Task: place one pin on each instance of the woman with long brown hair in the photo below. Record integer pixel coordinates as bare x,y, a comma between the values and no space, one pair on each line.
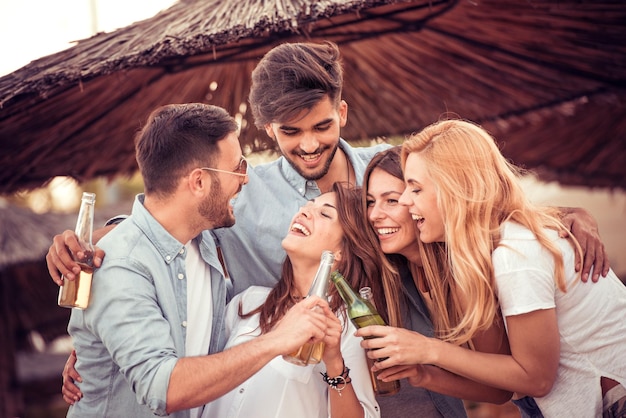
335,222
383,185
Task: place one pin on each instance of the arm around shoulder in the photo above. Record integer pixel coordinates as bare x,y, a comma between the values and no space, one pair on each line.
584,228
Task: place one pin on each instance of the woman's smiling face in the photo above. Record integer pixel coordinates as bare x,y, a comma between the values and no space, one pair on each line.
391,221
420,197
315,228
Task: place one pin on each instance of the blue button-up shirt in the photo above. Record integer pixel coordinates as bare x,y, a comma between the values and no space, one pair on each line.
263,210
129,338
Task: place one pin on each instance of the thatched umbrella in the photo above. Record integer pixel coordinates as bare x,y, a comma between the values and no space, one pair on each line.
547,78
26,235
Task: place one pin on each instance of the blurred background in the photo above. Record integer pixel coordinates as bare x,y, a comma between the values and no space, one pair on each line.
35,28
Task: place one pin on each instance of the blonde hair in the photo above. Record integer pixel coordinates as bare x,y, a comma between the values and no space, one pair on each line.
477,190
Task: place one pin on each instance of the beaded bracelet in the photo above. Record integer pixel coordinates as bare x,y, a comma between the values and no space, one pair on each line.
340,382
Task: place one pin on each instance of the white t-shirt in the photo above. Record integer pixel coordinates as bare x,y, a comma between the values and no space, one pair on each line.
281,389
591,318
199,306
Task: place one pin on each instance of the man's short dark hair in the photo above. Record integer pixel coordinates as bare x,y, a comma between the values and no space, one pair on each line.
176,138
293,77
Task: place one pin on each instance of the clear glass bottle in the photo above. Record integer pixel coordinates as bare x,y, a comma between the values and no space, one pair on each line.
75,293
312,353
362,312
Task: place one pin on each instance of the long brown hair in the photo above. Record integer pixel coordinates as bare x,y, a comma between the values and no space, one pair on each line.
389,162
362,264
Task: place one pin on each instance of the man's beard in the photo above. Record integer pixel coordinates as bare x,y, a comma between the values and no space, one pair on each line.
311,176
215,208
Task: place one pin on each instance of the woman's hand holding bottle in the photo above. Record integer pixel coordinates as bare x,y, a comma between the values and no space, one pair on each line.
332,341
397,346
302,324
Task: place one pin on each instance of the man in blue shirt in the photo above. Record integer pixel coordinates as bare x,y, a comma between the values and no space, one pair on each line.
162,275
296,99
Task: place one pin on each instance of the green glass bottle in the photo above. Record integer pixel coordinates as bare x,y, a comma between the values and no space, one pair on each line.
362,313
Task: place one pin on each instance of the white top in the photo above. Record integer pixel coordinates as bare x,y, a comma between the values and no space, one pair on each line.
591,318
282,389
199,306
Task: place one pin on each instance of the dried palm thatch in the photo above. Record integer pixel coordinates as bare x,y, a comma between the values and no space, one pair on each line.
546,77
26,236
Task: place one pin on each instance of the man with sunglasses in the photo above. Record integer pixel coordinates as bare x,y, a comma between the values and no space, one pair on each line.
158,301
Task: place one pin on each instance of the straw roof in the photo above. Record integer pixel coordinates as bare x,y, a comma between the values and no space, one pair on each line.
547,78
25,236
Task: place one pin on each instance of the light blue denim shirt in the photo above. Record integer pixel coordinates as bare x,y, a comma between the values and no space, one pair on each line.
129,338
263,210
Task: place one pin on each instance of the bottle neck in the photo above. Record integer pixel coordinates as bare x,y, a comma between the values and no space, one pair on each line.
84,223
346,292
360,312
319,287
84,229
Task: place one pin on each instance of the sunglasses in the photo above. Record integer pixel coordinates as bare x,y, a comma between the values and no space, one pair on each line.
241,170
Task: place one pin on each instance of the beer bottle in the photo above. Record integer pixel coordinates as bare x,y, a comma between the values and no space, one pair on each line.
75,293
362,312
312,353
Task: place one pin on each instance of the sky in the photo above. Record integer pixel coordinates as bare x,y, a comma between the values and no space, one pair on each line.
31,29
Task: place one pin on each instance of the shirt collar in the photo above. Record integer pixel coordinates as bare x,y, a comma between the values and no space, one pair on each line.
167,246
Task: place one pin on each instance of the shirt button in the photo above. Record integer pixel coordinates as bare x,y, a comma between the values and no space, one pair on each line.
181,276
182,251
168,258
184,324
242,390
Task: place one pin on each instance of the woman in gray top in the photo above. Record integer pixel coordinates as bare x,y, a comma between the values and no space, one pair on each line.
383,184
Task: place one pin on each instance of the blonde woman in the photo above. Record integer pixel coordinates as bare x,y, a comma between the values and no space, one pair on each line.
504,254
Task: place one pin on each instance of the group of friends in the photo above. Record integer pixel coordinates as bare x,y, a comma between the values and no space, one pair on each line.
203,288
